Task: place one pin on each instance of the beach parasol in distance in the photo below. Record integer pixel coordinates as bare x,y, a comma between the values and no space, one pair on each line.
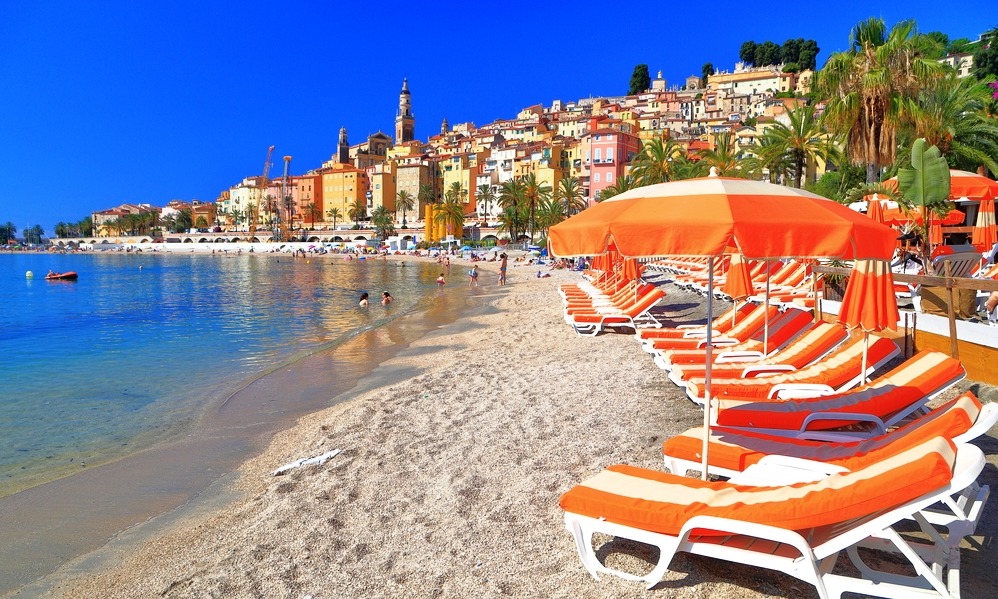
713,215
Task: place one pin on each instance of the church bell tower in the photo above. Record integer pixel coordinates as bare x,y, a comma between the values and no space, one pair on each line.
405,123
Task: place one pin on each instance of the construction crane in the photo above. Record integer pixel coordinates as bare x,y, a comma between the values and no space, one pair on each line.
285,203
262,184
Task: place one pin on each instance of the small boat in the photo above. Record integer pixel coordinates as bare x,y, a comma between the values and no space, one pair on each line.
61,276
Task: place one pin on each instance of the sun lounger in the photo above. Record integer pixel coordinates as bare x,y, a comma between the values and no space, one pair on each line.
742,331
783,328
816,343
881,404
591,323
838,372
800,529
719,326
733,450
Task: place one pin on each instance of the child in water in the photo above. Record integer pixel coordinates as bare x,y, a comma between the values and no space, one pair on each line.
386,298
440,279
363,300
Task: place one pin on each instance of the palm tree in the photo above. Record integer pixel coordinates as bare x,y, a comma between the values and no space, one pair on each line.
451,213
357,210
683,167
802,141
404,202
334,214
872,89
60,230
8,231
953,117
382,221
426,196
723,158
619,186
511,199
569,193
653,163
550,213
534,192
486,195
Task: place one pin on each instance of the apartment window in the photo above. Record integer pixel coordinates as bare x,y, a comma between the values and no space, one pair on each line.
609,154
596,177
598,155
609,177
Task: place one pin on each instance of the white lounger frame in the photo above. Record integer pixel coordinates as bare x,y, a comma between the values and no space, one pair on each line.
812,559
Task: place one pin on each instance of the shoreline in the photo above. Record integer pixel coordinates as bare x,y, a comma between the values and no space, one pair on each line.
42,528
455,452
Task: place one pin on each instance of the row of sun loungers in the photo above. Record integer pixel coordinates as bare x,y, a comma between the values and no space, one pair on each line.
819,462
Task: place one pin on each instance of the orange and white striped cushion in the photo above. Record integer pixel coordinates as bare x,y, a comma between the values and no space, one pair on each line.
737,450
663,503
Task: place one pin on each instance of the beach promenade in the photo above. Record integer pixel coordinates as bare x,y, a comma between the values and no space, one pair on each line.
453,457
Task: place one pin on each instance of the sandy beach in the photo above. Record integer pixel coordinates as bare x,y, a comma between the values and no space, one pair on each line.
448,480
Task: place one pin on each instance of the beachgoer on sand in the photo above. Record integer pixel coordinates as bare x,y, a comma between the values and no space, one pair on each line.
386,298
363,300
473,276
440,279
502,269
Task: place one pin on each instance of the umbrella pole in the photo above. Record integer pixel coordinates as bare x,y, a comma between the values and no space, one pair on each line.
710,359
765,333
866,347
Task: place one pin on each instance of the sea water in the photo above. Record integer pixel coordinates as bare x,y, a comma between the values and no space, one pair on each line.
143,343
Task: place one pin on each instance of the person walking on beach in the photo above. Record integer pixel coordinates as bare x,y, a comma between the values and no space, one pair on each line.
363,300
502,268
473,276
440,280
386,298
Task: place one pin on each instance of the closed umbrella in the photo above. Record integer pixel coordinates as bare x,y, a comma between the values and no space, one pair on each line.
869,302
738,284
715,215
985,233
875,210
935,232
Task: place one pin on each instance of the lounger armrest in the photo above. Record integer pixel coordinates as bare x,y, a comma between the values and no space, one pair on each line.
718,341
986,419
764,369
779,470
858,417
802,464
734,355
799,390
699,334
741,527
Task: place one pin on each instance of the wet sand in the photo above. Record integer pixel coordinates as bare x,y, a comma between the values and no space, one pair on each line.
454,455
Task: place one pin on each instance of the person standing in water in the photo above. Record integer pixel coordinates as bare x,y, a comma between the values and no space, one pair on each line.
386,298
473,276
364,300
441,280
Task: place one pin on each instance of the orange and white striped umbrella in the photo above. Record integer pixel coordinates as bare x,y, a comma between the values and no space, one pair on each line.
963,184
985,232
869,302
738,282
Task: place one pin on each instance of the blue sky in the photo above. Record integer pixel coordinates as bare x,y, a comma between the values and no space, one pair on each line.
146,102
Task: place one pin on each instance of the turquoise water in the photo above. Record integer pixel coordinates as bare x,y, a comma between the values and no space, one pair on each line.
142,344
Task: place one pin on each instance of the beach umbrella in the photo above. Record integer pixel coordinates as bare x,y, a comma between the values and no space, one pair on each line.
869,302
935,232
900,216
875,210
963,185
738,284
713,215
985,232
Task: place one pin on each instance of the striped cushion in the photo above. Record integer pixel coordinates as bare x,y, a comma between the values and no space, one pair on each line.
834,371
737,450
912,381
663,503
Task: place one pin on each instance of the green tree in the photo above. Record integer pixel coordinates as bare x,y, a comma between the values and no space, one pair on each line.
357,210
511,199
986,55
534,193
404,202
747,52
450,213
872,89
334,214
790,51
640,80
953,117
618,187
724,158
86,226
803,141
941,43
549,213
383,223
706,71
201,223
767,53
34,234
569,193
486,196
684,167
426,195
8,232
653,163
313,213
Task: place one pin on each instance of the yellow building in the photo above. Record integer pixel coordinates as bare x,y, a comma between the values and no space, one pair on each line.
343,186
381,178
